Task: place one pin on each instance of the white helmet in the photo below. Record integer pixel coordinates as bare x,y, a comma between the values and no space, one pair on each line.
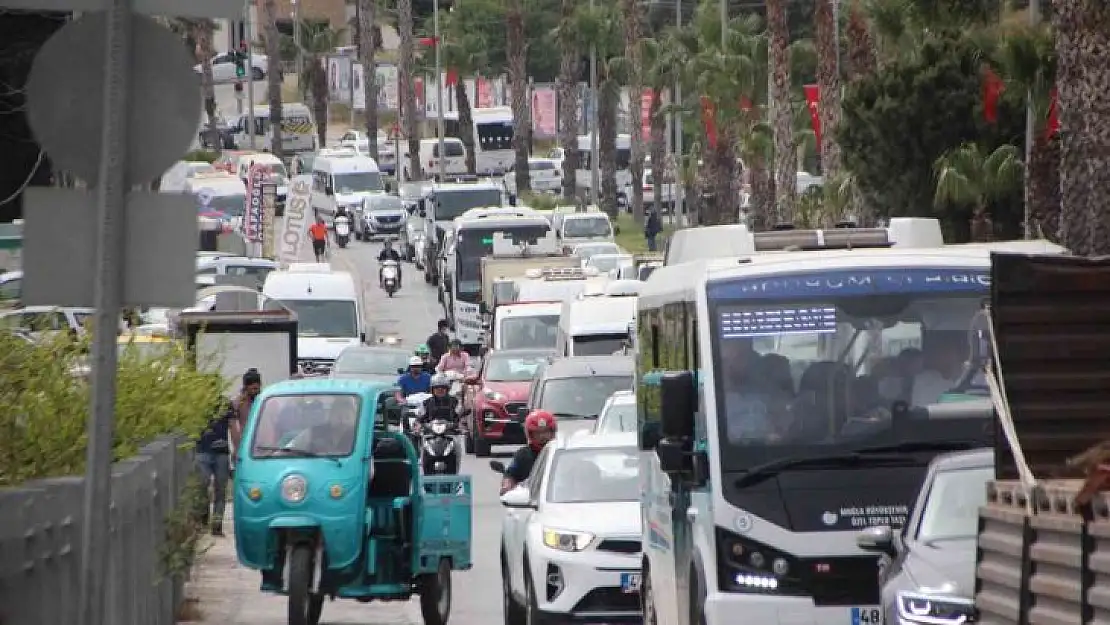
416,362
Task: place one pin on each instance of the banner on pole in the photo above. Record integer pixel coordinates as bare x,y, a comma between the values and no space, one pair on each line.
294,229
269,207
813,102
253,216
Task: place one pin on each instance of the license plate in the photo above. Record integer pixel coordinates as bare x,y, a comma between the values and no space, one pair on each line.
869,615
630,582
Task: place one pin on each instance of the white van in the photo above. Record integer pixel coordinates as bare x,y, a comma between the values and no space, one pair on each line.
343,178
595,326
219,195
588,227
454,163
298,132
329,311
526,325
583,175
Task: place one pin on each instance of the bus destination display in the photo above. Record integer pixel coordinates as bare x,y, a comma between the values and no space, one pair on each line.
775,321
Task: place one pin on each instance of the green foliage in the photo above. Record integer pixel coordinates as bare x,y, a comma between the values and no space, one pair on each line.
183,530
44,400
539,201
897,123
207,156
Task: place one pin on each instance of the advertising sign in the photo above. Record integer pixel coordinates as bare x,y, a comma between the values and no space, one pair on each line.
269,207
254,215
294,230
545,112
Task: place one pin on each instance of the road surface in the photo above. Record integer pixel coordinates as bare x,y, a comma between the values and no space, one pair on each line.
228,594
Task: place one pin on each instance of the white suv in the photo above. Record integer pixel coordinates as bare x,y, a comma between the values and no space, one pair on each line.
571,537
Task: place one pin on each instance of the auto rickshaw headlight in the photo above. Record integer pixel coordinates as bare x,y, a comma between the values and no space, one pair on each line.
336,491
293,489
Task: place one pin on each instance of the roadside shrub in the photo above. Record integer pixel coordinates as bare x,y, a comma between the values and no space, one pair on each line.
44,403
207,156
539,201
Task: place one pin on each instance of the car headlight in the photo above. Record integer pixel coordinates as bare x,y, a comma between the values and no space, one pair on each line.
439,428
917,607
492,395
564,540
294,488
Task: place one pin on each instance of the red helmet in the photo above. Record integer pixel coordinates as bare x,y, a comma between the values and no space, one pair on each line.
539,420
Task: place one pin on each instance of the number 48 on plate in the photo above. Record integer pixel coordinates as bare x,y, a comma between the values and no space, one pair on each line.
866,616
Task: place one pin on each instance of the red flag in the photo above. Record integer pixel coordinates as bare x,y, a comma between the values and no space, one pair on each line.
452,77
745,104
647,102
1052,124
708,113
813,101
993,87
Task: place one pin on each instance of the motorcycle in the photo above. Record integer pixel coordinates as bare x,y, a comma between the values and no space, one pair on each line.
458,386
389,276
342,230
410,417
439,455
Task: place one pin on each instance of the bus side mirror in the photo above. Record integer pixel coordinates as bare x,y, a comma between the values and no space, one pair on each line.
677,403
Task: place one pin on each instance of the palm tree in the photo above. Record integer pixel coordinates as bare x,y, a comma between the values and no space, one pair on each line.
861,45
466,51
272,39
630,10
318,40
661,68
367,49
566,87
828,85
517,53
406,67
782,115
967,176
601,30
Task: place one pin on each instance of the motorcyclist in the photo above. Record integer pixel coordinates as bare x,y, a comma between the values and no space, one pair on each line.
440,405
455,359
388,253
539,428
424,353
416,380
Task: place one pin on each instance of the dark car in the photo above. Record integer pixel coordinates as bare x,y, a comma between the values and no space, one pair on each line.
574,389
223,139
929,571
370,363
495,394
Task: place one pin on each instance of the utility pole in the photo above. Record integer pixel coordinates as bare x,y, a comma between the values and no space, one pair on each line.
248,40
297,37
724,24
439,92
595,166
1030,126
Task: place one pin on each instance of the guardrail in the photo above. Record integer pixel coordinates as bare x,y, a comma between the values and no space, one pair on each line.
1041,558
40,543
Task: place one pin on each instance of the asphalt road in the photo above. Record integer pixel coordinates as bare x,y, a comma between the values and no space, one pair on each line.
231,593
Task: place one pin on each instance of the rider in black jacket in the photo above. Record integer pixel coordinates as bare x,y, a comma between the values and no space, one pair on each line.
440,405
388,253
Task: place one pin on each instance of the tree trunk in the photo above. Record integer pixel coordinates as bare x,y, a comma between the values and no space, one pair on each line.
566,85
828,82
725,208
782,114
1044,188
517,53
762,202
405,70
658,148
982,229
630,9
272,39
861,45
466,124
607,102
318,90
203,33
367,15
1083,105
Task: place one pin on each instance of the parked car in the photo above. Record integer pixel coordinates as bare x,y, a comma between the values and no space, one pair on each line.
494,395
223,67
929,570
46,320
572,543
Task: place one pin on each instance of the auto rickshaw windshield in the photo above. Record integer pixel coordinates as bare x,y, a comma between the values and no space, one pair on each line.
313,425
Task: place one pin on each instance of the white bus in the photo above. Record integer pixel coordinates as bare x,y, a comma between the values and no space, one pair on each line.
771,434
493,137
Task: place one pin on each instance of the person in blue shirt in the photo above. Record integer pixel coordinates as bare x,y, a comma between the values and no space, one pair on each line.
415,381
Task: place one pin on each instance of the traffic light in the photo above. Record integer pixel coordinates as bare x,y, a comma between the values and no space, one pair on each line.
240,64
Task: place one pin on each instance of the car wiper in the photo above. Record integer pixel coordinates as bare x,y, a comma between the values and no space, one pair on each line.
767,470
297,451
568,415
912,446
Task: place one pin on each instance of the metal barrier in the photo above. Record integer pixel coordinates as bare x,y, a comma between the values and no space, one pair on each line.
40,550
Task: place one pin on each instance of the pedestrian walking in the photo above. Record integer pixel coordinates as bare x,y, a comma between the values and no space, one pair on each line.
215,446
319,234
652,228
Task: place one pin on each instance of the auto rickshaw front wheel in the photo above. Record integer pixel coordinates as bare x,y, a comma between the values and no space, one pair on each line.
435,594
304,606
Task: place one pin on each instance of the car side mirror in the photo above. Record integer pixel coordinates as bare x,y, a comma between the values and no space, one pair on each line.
518,497
678,404
522,412
878,538
497,466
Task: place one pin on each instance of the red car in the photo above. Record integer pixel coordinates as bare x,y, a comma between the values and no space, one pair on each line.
496,395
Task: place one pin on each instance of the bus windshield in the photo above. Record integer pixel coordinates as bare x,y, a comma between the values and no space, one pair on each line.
817,364
452,203
494,136
474,243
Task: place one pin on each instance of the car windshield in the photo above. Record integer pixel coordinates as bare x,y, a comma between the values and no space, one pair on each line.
594,475
599,344
535,332
587,227
952,505
384,203
512,367
823,374
606,262
231,205
452,203
324,318
541,165
358,182
581,397
370,361
306,426
586,251
619,417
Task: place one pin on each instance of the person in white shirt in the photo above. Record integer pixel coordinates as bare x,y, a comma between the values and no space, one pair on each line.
944,366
